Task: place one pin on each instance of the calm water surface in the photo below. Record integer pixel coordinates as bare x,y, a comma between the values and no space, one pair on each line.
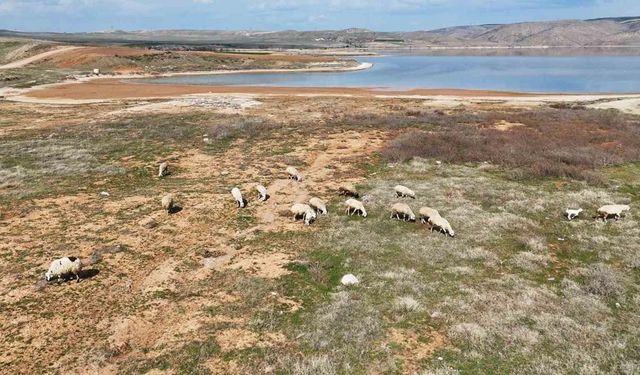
580,74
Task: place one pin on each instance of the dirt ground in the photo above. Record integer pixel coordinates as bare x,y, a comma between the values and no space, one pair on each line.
205,289
130,310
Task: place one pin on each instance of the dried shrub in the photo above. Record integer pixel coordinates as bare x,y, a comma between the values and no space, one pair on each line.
550,142
603,280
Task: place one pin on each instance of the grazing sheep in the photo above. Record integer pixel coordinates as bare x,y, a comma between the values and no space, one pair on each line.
404,192
167,202
348,191
262,193
294,174
426,213
402,211
63,267
572,213
442,224
614,210
237,196
318,205
355,206
305,211
163,169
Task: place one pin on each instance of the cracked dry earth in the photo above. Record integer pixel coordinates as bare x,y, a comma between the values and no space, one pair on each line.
177,283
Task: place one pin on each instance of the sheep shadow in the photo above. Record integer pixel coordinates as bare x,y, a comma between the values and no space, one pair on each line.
266,197
175,210
83,274
88,274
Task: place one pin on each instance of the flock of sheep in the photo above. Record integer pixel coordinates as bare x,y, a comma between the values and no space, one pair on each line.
66,266
309,212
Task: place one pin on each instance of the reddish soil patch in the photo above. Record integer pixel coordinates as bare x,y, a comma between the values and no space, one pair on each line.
117,89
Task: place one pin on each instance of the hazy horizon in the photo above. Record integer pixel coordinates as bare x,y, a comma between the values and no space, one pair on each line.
305,15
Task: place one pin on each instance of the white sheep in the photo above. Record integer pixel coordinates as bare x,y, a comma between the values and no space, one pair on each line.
167,202
612,210
348,190
402,211
237,196
318,205
294,174
442,224
404,192
427,212
262,192
163,169
63,267
572,213
305,211
355,206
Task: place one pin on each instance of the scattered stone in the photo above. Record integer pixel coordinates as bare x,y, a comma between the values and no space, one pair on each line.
206,253
110,249
148,223
349,280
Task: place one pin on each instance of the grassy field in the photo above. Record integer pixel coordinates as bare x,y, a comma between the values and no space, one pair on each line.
214,289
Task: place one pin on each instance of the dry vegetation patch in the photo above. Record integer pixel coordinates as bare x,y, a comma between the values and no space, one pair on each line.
551,143
213,289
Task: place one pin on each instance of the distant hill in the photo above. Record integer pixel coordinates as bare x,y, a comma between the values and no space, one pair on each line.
618,31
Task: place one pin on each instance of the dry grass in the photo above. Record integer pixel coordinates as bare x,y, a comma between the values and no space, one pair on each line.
552,142
519,289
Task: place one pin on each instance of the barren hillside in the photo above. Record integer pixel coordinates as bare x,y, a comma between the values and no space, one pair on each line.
566,33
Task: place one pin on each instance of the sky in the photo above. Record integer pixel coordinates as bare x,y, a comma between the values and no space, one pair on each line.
273,15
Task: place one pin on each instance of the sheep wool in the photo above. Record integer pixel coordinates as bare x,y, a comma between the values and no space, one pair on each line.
404,192
167,202
442,225
63,267
262,192
318,204
402,211
426,213
294,174
163,169
237,196
301,210
572,213
612,210
355,206
348,191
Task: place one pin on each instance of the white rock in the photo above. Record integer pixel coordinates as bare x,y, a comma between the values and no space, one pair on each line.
349,280
104,194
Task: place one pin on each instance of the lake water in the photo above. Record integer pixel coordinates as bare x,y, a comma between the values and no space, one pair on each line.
579,74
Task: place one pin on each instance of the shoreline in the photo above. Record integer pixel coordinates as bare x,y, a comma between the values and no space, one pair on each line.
109,88
11,92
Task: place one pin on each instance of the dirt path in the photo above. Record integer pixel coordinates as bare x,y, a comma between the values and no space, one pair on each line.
38,57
